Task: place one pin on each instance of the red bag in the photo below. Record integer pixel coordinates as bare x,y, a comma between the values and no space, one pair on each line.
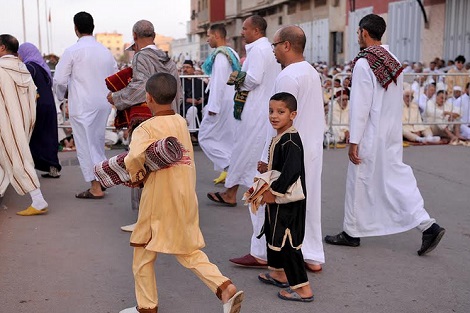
133,116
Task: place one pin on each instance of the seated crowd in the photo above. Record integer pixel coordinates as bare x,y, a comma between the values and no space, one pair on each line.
435,101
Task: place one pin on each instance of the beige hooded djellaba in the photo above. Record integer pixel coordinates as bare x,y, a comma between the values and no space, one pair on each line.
17,118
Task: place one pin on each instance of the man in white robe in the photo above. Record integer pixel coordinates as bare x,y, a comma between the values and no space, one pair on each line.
382,196
81,71
217,127
17,118
250,131
301,79
464,104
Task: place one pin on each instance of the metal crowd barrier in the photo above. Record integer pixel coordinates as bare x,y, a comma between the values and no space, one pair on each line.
408,77
180,107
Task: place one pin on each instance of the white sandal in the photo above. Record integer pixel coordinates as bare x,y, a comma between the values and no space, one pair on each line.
235,303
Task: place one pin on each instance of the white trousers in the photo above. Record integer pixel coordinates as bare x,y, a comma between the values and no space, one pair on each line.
88,134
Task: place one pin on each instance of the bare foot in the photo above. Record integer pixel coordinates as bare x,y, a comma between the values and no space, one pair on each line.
277,275
96,189
313,267
228,293
304,292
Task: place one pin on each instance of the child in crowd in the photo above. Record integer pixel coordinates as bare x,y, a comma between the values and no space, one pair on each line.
284,225
168,219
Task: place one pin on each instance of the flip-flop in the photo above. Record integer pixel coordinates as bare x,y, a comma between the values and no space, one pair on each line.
87,195
218,199
272,281
235,303
294,296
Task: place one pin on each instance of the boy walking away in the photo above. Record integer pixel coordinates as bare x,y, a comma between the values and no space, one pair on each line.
284,224
169,205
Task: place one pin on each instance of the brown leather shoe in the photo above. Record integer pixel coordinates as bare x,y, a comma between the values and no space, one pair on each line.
248,261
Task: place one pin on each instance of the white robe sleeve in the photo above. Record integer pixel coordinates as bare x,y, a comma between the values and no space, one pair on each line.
362,91
218,83
255,72
62,75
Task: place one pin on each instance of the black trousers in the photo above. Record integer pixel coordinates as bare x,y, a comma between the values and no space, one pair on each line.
292,261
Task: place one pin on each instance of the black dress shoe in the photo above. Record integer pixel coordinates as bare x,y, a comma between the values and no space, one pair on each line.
343,239
431,240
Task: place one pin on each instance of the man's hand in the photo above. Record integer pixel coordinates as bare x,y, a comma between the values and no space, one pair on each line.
354,154
268,197
262,167
110,98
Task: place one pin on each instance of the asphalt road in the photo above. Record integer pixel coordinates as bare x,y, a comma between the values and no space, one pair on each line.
77,260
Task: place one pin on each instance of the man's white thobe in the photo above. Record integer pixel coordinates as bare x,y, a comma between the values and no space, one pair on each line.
17,118
261,70
216,132
381,193
82,70
303,82
463,103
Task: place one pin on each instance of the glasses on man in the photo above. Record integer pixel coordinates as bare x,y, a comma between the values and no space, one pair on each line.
273,45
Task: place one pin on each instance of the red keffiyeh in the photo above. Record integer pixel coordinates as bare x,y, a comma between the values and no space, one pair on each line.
385,67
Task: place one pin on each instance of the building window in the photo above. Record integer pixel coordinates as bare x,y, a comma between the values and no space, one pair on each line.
291,6
279,20
304,5
320,2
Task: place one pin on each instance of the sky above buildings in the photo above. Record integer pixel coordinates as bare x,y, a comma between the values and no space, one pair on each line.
169,18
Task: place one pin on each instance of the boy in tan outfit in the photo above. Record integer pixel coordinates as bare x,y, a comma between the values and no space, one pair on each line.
168,219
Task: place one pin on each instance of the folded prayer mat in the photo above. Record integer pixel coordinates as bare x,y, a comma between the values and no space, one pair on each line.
132,117
119,80
161,154
136,114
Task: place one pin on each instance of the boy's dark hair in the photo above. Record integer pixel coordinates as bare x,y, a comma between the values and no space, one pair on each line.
287,98
84,23
162,87
460,59
11,43
439,92
220,29
374,24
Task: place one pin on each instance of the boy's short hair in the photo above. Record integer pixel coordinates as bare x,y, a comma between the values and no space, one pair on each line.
287,98
162,87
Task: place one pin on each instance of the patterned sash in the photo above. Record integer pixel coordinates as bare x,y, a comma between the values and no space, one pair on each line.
386,69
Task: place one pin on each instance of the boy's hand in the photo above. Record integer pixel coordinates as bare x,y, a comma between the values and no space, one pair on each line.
268,197
262,167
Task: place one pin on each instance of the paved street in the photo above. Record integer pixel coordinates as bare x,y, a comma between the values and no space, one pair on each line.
77,260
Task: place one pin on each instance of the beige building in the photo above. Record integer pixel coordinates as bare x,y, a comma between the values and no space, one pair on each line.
113,41
163,42
418,30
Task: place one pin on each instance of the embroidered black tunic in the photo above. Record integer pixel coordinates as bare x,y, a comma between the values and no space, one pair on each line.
285,223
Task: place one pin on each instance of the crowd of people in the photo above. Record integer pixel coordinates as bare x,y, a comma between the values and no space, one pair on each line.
262,117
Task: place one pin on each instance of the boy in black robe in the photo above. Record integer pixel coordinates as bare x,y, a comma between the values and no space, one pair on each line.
284,225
